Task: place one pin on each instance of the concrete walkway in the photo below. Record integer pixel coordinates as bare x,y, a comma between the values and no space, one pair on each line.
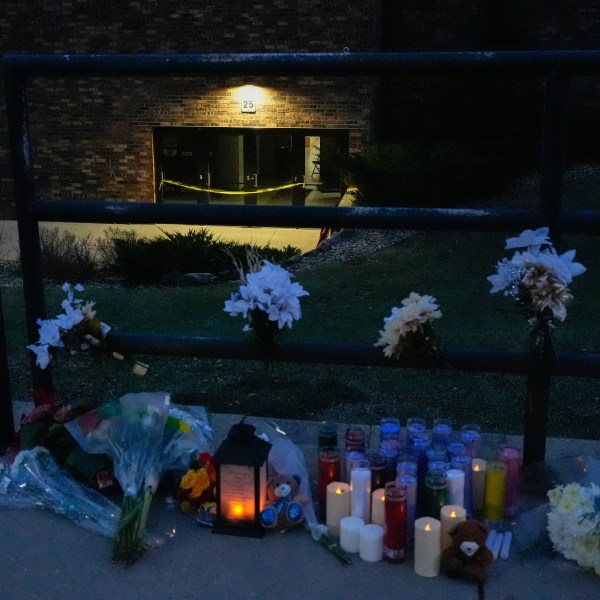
43,556
305,239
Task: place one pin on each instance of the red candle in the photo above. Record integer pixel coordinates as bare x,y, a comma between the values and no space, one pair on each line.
329,470
511,457
394,527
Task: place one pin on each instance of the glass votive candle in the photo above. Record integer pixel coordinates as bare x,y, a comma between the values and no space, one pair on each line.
415,426
437,465
465,463
389,449
352,458
389,429
470,436
378,470
410,483
435,490
437,452
495,491
511,457
360,491
456,449
441,432
394,528
327,435
355,439
328,471
406,467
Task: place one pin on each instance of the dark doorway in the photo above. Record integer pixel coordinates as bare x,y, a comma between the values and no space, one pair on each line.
247,165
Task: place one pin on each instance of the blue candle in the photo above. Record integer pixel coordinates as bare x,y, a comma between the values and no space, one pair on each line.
389,429
471,438
387,449
441,432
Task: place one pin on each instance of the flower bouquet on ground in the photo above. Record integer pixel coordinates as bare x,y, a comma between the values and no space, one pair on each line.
267,298
34,480
574,523
408,332
196,493
144,435
76,329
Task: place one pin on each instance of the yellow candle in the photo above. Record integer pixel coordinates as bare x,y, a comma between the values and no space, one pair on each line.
479,468
427,547
338,505
495,491
450,515
378,507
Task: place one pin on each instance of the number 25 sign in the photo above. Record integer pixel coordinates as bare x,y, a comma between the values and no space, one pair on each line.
248,105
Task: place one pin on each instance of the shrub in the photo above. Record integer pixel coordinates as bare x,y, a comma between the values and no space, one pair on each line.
67,257
146,260
439,175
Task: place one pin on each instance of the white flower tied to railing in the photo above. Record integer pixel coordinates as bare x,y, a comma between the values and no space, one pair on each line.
76,329
267,298
537,277
408,330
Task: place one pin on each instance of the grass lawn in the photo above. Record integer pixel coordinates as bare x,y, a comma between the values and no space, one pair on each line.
347,302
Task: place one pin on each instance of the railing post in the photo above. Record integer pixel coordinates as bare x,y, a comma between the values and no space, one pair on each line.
29,235
7,428
537,400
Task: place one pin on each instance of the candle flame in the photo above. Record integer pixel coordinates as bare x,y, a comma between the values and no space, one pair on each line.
453,514
338,491
428,527
476,468
237,510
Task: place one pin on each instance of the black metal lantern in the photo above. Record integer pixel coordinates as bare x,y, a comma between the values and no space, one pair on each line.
241,466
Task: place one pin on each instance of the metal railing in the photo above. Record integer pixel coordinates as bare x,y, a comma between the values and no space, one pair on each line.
557,68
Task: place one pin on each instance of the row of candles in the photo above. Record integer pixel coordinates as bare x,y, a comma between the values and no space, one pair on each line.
412,487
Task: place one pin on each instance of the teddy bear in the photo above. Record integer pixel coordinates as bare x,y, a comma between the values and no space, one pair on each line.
285,506
468,556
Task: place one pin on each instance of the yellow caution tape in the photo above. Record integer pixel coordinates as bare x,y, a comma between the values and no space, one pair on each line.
227,192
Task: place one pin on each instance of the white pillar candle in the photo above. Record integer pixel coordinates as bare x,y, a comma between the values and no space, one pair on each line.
338,505
479,466
450,515
378,507
427,547
496,545
489,542
350,533
455,487
371,543
360,493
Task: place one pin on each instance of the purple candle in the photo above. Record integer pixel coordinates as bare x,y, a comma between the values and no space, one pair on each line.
511,457
470,436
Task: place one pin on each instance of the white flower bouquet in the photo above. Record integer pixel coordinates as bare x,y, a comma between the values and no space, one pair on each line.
76,329
574,523
34,480
267,298
537,277
408,331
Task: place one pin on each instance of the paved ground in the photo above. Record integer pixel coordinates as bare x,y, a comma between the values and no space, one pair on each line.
305,239
43,556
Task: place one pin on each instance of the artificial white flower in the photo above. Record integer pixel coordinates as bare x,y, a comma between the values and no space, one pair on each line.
529,239
49,333
42,355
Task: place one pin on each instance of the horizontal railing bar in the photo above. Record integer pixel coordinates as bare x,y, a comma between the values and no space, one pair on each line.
432,219
576,364
294,64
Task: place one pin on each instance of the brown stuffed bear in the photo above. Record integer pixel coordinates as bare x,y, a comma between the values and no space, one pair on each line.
284,508
468,556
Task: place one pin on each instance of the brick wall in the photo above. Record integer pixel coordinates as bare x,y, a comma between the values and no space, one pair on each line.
93,138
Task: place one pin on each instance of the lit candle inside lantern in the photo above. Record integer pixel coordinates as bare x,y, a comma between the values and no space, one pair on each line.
360,491
450,515
427,547
479,468
371,543
378,507
350,533
495,491
338,505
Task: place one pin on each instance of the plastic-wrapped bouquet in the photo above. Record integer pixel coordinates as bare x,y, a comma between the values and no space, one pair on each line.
537,277
144,435
574,523
408,331
34,480
267,298
76,329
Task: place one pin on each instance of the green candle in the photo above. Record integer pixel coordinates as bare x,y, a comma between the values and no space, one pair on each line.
495,491
435,486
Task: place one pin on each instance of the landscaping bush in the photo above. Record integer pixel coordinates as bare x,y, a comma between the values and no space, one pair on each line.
146,260
66,257
439,175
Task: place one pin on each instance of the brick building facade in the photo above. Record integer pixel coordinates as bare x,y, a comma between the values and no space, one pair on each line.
104,138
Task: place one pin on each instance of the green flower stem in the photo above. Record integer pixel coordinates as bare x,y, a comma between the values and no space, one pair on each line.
128,542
